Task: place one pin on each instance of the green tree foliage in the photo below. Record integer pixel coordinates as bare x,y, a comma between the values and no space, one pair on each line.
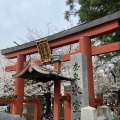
89,10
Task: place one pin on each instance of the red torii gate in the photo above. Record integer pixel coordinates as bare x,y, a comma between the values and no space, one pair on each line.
82,34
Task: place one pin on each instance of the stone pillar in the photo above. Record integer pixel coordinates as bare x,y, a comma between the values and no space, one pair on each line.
79,87
19,87
67,103
88,113
57,89
85,48
105,111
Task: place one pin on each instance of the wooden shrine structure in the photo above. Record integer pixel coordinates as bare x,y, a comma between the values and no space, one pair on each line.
81,34
40,74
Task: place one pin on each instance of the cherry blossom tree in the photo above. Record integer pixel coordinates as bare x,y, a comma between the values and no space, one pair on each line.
6,80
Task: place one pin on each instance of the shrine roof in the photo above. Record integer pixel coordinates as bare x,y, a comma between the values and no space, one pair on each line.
40,74
79,28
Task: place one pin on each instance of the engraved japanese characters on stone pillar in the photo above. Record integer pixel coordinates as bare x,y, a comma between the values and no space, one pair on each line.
79,87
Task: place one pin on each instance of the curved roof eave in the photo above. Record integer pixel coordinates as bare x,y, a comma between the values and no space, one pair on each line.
40,74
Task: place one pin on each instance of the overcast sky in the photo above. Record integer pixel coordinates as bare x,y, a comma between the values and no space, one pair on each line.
18,15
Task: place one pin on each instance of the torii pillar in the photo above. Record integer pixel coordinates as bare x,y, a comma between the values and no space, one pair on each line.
86,49
57,91
19,87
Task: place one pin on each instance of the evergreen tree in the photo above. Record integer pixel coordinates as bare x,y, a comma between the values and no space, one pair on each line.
89,10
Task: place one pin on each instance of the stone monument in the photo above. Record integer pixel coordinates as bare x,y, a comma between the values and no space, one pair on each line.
79,87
